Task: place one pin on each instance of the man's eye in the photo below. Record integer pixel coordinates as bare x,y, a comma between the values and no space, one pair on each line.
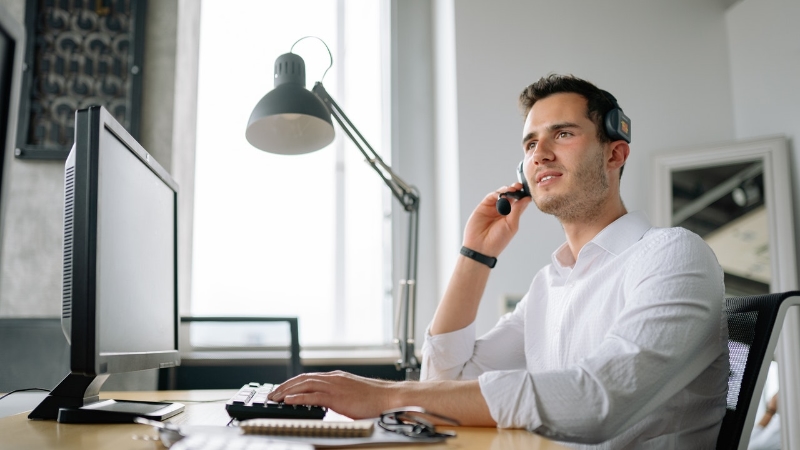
563,134
530,146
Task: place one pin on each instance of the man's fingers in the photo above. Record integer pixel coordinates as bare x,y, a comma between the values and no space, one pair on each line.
306,398
280,392
298,385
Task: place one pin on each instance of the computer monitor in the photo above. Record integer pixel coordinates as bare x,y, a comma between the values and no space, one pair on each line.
12,52
120,291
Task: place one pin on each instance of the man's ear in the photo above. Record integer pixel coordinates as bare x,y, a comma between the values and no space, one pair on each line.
618,155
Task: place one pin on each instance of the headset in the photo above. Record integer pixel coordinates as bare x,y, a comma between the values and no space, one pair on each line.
617,126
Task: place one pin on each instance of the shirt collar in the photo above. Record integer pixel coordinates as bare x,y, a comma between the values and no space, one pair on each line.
615,238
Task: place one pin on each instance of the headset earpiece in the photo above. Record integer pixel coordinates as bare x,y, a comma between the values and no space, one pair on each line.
617,124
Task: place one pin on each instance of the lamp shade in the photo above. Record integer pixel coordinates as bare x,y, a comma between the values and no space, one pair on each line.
290,120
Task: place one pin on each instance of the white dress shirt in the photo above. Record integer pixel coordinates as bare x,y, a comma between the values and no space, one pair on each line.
625,347
766,438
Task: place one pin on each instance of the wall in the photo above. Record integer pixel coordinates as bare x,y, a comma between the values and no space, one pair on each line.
765,63
412,118
31,259
30,263
665,61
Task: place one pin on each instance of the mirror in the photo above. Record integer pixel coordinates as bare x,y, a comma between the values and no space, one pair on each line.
738,198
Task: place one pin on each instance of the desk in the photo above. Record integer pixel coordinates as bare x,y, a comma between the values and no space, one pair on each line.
206,408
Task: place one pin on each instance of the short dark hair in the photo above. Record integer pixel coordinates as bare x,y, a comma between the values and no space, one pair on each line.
597,101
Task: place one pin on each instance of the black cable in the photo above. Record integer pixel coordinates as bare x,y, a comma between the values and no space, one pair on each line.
23,390
326,48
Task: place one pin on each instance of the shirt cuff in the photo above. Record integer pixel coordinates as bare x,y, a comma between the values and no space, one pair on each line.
443,353
511,398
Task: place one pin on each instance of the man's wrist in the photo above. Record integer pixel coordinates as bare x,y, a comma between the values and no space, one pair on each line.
489,261
398,392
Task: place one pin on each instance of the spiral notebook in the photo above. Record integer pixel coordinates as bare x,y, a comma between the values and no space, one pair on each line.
324,434
308,427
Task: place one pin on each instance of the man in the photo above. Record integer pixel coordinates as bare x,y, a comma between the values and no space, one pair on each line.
766,433
621,341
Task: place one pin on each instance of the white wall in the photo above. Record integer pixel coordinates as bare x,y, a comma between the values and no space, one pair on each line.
665,61
764,44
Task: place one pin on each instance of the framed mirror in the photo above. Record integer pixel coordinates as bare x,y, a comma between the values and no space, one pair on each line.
738,198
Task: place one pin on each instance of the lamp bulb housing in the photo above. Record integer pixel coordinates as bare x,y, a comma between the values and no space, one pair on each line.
290,68
290,119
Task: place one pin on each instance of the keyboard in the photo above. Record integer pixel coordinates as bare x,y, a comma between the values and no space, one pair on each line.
251,403
238,442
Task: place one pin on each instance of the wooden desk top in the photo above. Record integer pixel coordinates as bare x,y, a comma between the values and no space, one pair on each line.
206,408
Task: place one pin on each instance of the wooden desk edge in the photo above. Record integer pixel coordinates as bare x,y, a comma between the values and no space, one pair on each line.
21,433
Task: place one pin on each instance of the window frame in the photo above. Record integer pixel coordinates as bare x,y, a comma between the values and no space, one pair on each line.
385,351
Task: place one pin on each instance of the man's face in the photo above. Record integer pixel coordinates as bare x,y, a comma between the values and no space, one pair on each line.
564,162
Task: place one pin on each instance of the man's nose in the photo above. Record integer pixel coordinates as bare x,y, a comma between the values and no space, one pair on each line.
543,152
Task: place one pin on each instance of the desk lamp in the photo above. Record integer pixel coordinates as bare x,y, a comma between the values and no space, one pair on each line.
290,120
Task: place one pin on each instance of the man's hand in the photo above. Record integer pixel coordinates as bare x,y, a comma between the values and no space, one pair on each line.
362,398
347,394
488,231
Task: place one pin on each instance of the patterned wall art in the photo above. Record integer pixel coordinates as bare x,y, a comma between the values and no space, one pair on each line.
80,53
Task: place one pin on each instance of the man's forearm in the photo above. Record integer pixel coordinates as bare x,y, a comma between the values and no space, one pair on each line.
460,400
459,306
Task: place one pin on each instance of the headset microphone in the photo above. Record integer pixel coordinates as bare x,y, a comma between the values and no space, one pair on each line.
503,205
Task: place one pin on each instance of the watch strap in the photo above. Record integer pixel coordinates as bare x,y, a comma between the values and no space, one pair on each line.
480,257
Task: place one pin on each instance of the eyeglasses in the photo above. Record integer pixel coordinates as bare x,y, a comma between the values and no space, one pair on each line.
414,421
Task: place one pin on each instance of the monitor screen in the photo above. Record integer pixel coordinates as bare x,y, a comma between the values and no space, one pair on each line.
120,296
135,272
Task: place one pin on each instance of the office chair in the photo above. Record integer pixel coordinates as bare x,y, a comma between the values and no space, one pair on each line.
754,325
226,367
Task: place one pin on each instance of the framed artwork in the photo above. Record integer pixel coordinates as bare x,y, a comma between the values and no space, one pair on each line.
79,53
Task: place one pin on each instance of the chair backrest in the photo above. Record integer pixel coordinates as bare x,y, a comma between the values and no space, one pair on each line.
754,325
209,368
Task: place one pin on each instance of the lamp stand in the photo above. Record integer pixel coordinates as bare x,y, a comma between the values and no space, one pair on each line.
409,198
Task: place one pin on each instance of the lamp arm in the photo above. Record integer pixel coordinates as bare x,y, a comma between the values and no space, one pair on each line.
401,190
408,197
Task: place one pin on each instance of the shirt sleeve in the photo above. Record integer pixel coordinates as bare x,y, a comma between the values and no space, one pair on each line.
766,438
459,356
669,331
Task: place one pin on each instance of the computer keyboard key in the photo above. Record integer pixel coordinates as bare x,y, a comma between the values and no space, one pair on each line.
251,403
259,399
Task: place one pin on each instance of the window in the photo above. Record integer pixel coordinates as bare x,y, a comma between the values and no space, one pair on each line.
308,235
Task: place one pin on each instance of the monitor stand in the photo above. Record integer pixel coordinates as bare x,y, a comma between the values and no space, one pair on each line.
77,400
